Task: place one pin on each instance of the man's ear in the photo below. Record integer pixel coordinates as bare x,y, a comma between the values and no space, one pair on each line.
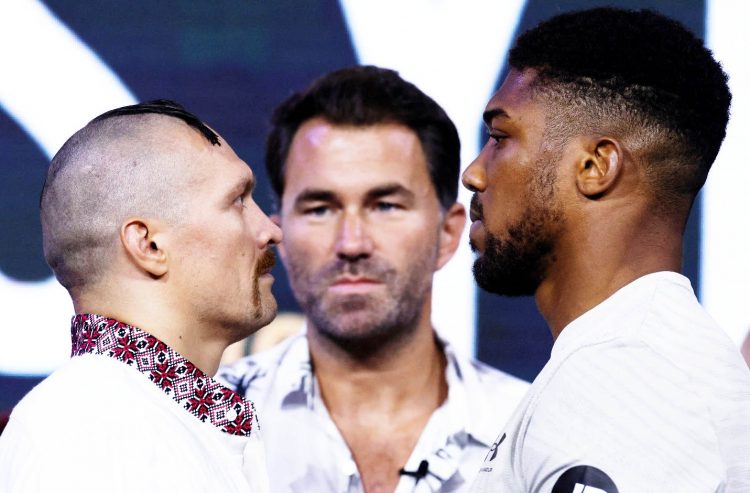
599,167
142,246
450,233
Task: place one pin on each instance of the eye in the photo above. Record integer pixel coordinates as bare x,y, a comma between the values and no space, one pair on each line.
240,200
317,211
496,136
384,206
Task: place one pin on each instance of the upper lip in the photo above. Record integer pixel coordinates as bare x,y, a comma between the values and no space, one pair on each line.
266,269
475,208
354,279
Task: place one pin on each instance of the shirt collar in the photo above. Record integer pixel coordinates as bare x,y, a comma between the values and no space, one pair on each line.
464,388
195,391
465,392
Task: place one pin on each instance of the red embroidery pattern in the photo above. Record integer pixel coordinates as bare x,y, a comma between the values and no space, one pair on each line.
196,392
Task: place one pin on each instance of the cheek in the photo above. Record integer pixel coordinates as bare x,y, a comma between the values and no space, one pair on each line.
506,197
405,243
306,247
499,214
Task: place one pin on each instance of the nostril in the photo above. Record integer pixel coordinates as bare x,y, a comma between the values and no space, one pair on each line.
352,257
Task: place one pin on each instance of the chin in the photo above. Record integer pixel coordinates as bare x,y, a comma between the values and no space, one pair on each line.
265,314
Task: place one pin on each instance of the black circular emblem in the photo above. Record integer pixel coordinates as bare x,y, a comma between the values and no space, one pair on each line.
584,479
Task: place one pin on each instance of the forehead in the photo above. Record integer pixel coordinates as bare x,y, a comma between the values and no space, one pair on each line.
353,159
515,102
208,166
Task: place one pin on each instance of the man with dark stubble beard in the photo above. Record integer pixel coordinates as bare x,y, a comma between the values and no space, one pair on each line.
370,398
601,136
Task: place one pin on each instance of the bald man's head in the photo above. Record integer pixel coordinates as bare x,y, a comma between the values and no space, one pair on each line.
128,162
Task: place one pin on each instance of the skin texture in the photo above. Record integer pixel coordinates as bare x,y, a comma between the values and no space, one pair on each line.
570,222
198,282
519,165
364,233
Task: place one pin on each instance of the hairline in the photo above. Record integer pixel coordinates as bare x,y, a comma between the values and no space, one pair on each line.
389,120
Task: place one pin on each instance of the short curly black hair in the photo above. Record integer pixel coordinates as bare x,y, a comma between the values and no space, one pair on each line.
638,73
362,96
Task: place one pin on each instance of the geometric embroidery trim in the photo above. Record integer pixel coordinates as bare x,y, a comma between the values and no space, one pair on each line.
196,392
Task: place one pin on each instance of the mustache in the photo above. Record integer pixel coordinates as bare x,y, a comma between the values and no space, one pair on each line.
476,208
266,261
369,268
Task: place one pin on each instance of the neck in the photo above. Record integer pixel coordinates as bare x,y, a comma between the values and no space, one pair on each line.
148,311
408,370
599,264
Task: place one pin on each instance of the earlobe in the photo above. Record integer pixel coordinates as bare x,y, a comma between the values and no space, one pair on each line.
454,222
143,248
599,168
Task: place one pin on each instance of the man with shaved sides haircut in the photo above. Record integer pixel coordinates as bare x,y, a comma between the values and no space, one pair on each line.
149,223
599,140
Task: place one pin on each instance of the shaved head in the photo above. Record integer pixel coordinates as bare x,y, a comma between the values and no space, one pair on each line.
129,162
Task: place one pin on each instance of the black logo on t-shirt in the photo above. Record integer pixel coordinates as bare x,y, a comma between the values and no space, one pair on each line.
493,450
584,479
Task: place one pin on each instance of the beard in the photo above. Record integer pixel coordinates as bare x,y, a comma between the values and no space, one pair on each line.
364,323
515,266
517,263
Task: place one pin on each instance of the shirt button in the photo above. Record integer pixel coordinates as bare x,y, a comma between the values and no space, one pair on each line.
231,415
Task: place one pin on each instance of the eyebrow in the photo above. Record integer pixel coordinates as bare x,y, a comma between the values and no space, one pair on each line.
490,115
314,195
244,185
322,195
389,189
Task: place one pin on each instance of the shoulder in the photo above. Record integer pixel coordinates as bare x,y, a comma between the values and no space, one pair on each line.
622,408
483,376
76,390
681,330
257,372
101,409
489,378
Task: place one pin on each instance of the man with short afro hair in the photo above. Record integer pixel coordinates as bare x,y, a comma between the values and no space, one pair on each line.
601,136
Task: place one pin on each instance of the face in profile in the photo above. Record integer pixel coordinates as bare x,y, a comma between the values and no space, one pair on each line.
223,243
361,223
515,212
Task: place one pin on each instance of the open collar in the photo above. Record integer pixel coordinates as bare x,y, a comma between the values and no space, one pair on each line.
465,390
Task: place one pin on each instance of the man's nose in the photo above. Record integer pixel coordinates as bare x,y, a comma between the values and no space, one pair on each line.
353,241
474,177
269,233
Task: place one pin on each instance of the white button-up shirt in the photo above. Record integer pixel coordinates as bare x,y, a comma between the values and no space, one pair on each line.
306,452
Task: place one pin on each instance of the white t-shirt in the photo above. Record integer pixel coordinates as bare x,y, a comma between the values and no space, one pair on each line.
306,452
643,393
98,424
